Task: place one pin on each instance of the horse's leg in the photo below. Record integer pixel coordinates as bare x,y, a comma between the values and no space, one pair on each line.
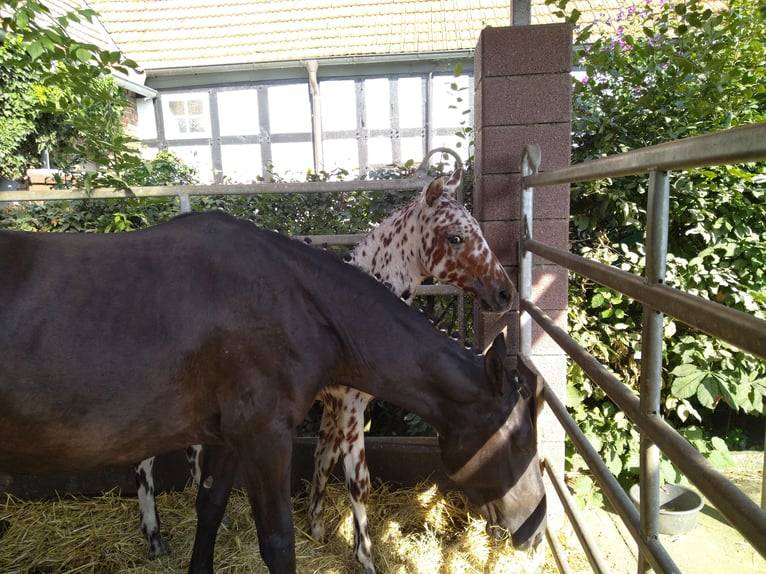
194,458
357,473
325,457
150,520
218,471
266,463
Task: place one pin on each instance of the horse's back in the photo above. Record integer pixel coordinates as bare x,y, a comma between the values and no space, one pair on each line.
114,339
179,334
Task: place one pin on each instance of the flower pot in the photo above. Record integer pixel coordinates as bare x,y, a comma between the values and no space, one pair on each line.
679,507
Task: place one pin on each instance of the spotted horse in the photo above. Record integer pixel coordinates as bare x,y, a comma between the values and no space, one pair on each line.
433,236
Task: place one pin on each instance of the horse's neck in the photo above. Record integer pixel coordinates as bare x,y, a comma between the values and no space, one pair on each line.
390,252
436,385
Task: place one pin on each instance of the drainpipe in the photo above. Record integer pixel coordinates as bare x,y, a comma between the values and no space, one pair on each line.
316,115
521,13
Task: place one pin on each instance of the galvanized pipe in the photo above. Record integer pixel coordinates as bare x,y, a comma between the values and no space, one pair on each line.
651,357
743,514
557,551
740,329
578,524
530,163
737,145
655,552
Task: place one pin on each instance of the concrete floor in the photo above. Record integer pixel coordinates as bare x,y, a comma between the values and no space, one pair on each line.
711,547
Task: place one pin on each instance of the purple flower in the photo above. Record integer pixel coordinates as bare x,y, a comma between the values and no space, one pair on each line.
584,80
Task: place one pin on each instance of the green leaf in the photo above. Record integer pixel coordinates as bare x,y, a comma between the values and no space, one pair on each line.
22,18
35,49
597,301
83,55
708,393
688,379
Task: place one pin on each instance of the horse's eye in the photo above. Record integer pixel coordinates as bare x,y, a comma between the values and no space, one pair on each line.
455,239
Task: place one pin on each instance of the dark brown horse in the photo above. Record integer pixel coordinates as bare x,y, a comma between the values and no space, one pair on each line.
208,330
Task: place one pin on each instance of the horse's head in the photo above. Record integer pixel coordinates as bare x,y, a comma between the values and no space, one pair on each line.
452,247
495,462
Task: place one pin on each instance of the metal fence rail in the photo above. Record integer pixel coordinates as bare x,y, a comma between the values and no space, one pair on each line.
738,145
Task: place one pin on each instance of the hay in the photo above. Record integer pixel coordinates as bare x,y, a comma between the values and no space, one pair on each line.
417,530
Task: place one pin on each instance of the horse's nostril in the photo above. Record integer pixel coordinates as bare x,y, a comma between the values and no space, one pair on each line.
504,297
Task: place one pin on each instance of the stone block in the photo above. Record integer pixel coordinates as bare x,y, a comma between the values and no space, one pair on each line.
523,50
499,149
516,100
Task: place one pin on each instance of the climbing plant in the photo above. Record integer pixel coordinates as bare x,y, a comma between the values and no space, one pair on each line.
659,71
51,89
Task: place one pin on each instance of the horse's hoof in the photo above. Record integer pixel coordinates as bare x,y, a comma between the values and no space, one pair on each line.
317,532
157,549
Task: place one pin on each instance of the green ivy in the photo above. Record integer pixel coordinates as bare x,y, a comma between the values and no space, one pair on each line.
51,88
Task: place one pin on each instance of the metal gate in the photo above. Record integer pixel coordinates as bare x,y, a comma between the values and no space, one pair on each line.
747,332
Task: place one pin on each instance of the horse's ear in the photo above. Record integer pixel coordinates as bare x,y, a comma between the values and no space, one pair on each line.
454,183
494,364
434,191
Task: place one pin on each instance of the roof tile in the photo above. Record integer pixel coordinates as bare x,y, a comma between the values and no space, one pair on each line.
180,33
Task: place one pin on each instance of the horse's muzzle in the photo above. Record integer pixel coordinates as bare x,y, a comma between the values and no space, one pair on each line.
497,532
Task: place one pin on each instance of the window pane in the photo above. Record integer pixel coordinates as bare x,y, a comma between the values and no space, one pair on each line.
412,148
241,163
238,113
177,107
377,103
292,160
340,153
449,105
338,105
289,109
410,103
451,141
180,122
197,156
379,152
196,126
195,107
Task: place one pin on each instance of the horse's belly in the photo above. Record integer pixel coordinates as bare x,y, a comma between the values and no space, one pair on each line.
55,448
47,432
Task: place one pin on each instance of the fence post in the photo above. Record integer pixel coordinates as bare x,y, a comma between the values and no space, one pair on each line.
651,355
183,198
530,163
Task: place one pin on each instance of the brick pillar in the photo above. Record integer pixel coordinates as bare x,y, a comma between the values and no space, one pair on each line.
524,96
